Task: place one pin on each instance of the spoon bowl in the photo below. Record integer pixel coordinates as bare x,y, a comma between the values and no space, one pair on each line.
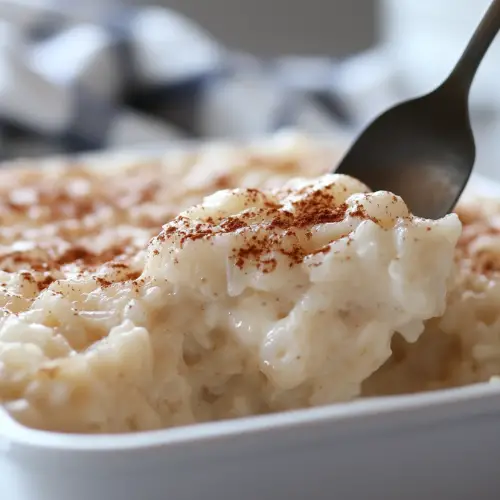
423,149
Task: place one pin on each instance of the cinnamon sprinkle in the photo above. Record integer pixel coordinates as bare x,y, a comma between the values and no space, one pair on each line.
76,220
477,225
45,283
279,233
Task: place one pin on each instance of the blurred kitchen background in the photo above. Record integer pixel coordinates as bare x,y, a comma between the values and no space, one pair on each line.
77,76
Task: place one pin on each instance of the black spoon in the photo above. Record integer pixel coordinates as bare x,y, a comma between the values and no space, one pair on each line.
423,149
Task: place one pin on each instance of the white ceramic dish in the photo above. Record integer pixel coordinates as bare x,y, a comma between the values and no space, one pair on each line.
441,445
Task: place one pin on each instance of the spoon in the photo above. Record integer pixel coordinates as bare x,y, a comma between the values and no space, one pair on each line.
423,149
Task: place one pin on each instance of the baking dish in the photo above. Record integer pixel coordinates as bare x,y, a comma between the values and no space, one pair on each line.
444,444
440,445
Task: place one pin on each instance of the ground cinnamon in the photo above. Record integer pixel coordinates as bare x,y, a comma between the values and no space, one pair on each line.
280,232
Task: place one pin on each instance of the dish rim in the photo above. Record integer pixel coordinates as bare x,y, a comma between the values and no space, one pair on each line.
14,433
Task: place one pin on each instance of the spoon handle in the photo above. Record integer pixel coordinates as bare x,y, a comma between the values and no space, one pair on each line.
465,70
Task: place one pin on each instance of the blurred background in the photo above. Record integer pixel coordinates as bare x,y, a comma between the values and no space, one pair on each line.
78,76
276,27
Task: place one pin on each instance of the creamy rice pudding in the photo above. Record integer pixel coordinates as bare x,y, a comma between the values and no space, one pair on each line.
230,281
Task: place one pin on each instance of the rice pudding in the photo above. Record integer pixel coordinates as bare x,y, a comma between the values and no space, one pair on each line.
222,283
